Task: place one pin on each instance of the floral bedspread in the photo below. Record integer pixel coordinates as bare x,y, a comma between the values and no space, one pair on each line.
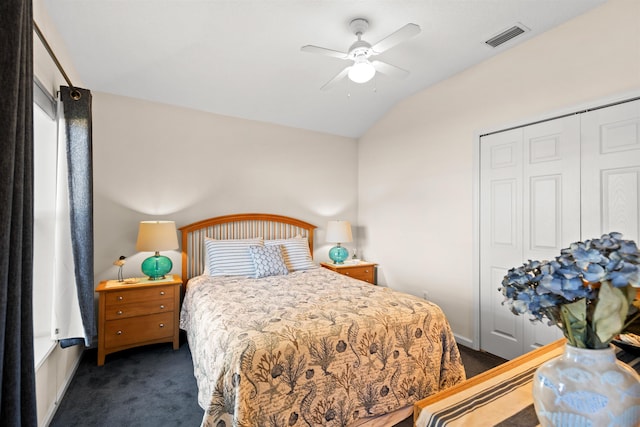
312,348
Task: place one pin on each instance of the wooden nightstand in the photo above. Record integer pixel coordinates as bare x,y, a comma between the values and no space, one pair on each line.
365,271
137,314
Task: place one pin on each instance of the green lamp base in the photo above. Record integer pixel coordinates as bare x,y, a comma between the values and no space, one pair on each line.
156,266
338,254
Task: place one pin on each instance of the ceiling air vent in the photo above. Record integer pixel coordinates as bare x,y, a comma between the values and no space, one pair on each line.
506,35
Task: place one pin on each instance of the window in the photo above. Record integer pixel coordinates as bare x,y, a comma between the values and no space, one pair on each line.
45,136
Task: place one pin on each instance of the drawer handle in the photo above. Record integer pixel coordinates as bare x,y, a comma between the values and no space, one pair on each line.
162,325
161,307
120,298
161,292
119,312
366,271
346,273
119,333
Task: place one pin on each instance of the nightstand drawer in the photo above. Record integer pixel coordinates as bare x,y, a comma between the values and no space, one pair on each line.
365,271
139,295
365,274
121,311
138,329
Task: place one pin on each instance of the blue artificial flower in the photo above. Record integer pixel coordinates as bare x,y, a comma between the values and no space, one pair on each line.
540,288
583,257
594,273
628,247
626,274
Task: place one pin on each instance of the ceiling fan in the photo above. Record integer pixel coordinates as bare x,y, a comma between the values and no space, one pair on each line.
362,70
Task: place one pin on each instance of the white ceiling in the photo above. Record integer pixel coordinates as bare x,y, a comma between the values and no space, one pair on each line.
242,58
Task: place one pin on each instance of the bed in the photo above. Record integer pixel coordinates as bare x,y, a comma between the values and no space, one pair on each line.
302,345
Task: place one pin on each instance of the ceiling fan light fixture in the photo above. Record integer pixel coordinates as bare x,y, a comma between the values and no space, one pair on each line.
361,71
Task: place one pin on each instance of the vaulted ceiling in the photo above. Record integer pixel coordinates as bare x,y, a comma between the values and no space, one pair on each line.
242,58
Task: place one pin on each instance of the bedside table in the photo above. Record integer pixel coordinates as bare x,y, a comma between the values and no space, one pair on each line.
365,271
131,315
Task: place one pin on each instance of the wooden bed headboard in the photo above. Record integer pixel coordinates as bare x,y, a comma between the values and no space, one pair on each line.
237,226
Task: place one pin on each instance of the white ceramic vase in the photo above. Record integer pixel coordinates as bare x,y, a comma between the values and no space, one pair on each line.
586,388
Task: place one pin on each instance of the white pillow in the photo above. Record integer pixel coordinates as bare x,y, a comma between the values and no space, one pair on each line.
295,252
230,257
268,260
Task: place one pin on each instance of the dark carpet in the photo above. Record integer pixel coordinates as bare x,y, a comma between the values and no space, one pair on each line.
154,386
146,386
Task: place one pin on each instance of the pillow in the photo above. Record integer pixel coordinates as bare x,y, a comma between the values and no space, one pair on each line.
268,260
230,257
295,252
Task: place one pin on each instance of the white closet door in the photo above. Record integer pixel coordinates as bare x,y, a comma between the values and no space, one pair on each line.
551,201
500,239
530,209
611,171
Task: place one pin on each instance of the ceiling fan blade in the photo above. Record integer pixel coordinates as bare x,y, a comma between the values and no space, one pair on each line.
390,70
393,39
341,75
324,51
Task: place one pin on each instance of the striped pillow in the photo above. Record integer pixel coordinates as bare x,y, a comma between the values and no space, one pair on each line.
268,260
295,252
230,257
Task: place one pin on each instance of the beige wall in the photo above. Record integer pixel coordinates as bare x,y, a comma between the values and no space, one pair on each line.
154,161
416,165
43,67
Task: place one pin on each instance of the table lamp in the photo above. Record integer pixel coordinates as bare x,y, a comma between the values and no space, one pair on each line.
338,232
156,236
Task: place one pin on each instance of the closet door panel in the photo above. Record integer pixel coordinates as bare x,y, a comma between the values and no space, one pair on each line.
530,209
537,334
620,201
611,171
501,238
503,326
501,183
551,194
551,202
545,213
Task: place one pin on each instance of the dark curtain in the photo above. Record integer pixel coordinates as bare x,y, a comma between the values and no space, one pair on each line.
18,397
76,104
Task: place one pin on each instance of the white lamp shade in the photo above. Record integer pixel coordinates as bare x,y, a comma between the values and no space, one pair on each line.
155,236
339,232
361,71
